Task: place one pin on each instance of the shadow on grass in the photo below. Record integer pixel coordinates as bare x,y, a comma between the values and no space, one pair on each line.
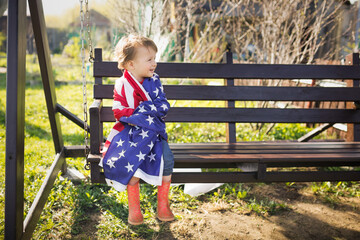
98,210
2,80
87,214
2,115
31,130
36,131
73,139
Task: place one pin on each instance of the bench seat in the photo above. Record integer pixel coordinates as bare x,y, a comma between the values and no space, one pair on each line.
262,156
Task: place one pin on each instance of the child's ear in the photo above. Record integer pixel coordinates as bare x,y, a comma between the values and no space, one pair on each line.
130,64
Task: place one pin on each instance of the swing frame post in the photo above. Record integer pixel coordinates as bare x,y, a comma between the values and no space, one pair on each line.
43,52
15,225
15,119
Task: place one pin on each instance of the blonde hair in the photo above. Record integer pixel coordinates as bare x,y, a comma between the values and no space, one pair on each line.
126,48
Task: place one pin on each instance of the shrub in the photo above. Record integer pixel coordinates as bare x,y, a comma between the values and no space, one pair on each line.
73,48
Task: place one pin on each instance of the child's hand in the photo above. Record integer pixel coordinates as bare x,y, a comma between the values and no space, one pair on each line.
131,124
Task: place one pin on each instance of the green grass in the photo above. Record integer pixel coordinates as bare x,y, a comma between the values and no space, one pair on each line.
71,208
331,192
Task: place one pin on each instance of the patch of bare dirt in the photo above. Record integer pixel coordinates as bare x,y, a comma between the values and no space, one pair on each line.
88,226
308,217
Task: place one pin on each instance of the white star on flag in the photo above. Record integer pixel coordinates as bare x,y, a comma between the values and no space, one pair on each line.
110,163
162,88
130,132
152,156
142,109
133,144
137,128
122,153
141,156
151,145
114,159
153,108
150,119
129,167
156,91
164,106
144,133
120,143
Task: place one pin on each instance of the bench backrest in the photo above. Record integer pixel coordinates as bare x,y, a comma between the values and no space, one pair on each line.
232,93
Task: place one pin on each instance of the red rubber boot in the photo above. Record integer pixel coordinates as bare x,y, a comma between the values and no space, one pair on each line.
135,215
163,208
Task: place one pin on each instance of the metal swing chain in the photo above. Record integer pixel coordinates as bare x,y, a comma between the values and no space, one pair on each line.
91,52
83,74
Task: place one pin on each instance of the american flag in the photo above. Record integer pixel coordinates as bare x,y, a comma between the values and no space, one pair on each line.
137,150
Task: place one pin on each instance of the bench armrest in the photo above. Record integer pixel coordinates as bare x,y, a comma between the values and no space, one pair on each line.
95,126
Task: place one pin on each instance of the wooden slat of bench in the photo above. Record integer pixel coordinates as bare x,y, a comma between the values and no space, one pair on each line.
266,145
268,152
216,153
265,157
259,115
260,93
236,177
244,71
260,146
233,163
268,158
254,145
247,93
257,151
224,165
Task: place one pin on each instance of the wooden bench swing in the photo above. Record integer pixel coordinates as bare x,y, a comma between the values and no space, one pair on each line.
266,156
277,155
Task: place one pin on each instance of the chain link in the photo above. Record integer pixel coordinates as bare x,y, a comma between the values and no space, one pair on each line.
91,54
83,74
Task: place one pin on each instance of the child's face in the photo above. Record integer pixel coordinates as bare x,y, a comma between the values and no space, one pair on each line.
143,65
